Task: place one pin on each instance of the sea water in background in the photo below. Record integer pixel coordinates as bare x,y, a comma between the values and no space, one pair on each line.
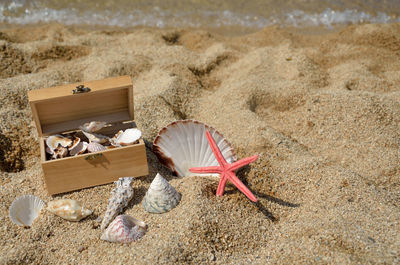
251,14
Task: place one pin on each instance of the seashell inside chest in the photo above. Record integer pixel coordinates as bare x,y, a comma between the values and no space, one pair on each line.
68,123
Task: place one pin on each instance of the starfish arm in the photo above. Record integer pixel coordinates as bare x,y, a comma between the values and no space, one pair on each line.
221,185
241,186
216,169
242,162
214,147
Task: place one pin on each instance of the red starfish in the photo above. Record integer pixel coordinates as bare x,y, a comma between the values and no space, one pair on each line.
226,170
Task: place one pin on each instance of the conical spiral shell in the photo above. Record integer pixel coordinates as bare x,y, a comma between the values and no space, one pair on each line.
121,195
25,209
161,196
183,144
124,229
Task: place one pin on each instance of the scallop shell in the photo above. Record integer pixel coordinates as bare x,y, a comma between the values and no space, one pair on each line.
68,209
127,137
161,196
95,147
93,126
121,195
183,144
124,229
79,149
58,140
97,138
25,209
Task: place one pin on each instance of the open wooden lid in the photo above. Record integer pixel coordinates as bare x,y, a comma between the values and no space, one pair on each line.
58,109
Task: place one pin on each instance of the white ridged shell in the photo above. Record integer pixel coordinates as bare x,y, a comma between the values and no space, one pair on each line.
25,209
127,137
124,229
95,147
68,209
183,144
121,195
161,196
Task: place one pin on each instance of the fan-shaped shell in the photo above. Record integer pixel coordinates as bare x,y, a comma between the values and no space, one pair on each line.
127,137
183,144
58,140
124,229
68,209
93,126
95,147
161,196
25,209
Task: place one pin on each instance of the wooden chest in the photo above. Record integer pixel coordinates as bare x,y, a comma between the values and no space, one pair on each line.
59,110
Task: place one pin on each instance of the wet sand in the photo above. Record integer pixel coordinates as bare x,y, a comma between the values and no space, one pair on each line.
322,111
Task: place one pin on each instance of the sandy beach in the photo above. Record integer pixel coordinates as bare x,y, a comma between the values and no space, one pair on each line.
321,110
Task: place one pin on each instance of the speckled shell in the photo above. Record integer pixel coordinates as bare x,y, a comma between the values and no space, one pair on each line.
92,126
25,209
161,196
95,147
57,140
124,229
121,195
183,144
68,209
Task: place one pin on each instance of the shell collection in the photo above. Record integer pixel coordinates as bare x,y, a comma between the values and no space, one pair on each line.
179,146
25,209
121,195
161,196
182,145
68,209
60,146
124,229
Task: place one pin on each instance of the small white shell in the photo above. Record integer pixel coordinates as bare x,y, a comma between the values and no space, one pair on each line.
95,147
57,140
25,209
68,209
93,126
161,196
97,138
128,137
183,144
79,149
124,229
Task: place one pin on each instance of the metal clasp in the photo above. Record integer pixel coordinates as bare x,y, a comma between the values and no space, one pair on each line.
80,89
